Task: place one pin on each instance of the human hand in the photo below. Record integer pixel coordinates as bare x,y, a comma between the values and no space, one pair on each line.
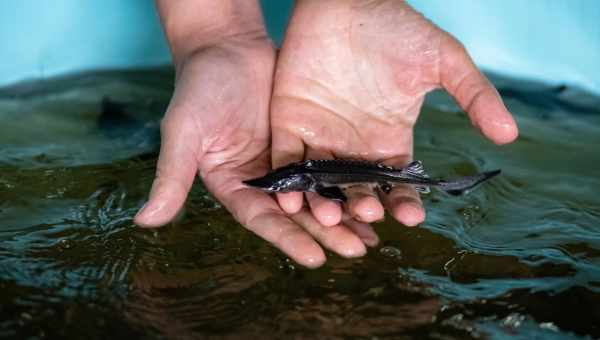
217,125
350,81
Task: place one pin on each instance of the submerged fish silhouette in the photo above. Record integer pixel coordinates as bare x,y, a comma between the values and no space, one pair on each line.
329,177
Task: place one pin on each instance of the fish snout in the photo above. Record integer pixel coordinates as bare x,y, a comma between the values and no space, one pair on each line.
262,183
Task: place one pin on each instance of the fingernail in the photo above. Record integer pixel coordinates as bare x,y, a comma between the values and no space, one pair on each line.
353,251
371,241
141,211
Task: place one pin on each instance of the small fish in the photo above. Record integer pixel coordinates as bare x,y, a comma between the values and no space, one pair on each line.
328,178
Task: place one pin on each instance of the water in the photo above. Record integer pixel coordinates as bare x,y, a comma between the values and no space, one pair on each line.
518,258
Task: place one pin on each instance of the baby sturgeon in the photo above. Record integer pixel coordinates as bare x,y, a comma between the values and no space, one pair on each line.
329,177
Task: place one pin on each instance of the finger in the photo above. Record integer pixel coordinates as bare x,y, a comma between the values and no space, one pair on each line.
363,230
338,238
175,172
403,202
326,211
287,148
475,94
264,218
363,204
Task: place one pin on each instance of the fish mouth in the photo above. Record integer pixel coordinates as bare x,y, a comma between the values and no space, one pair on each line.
260,183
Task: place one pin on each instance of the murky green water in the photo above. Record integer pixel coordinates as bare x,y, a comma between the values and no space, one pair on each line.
519,257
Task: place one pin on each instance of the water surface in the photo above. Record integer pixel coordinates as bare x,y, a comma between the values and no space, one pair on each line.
518,258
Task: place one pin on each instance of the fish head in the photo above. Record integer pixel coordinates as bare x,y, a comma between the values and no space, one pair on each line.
280,182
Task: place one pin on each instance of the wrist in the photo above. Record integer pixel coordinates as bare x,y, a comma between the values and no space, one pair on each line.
194,25
337,11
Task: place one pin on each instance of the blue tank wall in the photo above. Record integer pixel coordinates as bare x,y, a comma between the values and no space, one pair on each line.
50,37
557,41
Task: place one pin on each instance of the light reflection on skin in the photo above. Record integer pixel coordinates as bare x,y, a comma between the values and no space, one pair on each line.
306,132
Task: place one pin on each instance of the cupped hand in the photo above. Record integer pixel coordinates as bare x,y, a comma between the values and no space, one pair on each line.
217,126
350,82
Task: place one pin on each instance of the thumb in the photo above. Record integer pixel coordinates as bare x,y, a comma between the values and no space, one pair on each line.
175,172
475,94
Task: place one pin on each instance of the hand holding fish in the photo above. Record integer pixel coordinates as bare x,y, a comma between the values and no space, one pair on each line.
350,81
217,127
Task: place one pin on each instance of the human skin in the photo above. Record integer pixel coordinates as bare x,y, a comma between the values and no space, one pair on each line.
217,126
350,82
217,123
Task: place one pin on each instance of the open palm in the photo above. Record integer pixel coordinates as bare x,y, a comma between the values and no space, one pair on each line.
217,126
350,82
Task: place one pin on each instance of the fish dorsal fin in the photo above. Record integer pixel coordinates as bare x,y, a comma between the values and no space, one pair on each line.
415,168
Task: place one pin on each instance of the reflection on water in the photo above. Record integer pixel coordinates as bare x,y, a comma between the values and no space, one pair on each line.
519,257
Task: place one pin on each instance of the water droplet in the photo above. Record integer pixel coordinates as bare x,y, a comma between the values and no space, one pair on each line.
449,265
64,244
513,320
549,326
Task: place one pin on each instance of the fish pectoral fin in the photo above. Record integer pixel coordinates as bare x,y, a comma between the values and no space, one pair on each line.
422,189
416,169
333,193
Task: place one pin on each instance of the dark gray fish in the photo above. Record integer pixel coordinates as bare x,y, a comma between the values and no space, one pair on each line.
329,177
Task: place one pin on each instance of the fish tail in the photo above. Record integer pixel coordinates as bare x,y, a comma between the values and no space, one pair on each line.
462,185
